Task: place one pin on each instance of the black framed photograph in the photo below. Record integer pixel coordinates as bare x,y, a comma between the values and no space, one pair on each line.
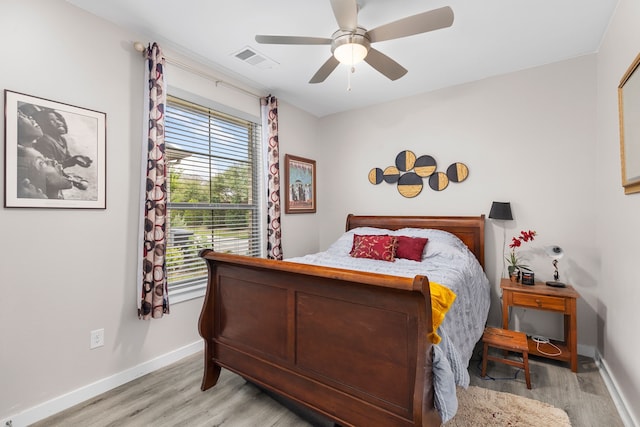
55,154
300,176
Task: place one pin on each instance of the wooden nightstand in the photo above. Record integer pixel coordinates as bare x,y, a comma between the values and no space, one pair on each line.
542,297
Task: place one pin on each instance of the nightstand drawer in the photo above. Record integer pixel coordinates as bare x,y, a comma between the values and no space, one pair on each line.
539,301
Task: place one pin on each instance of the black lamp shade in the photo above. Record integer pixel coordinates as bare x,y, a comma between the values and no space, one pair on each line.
501,210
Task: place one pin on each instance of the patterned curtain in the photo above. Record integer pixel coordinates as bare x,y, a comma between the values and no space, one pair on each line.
270,132
153,299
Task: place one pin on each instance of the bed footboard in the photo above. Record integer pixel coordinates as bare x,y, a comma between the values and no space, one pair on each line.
350,345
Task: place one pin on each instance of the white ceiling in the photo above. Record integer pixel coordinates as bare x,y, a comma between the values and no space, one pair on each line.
487,38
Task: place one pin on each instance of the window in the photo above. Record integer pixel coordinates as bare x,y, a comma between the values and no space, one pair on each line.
214,191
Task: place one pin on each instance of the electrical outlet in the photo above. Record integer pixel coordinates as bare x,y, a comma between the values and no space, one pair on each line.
97,338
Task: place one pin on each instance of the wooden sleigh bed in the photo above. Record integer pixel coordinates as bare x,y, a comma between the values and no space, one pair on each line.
349,345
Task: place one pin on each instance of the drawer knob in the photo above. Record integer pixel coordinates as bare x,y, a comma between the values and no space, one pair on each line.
538,302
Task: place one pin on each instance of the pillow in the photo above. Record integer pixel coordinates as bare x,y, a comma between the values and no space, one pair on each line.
441,300
440,242
380,247
411,247
344,244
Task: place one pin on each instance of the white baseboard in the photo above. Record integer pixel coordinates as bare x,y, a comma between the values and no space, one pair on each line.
74,397
618,399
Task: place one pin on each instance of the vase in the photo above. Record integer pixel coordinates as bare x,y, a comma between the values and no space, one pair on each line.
514,274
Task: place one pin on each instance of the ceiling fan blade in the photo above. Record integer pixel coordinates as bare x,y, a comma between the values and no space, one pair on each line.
291,40
385,65
325,70
416,24
346,13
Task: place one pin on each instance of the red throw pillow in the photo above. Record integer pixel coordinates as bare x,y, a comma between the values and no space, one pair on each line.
381,247
411,247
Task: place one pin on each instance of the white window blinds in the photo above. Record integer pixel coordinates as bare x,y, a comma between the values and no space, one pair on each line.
214,189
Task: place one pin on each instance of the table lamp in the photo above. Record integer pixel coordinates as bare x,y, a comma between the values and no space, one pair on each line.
501,211
555,253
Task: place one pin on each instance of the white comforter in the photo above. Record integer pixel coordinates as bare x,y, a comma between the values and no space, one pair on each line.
445,260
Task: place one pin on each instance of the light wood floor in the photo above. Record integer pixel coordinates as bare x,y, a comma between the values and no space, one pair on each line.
172,397
583,395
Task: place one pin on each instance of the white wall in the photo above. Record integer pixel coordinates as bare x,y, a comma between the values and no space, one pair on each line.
63,272
526,137
618,226
298,136
67,272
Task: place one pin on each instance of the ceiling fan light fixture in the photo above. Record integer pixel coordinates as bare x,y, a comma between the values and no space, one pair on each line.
350,48
350,53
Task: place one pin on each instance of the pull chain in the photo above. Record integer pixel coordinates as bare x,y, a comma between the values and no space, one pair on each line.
350,70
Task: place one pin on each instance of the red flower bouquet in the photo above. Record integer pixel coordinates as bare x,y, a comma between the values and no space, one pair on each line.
516,242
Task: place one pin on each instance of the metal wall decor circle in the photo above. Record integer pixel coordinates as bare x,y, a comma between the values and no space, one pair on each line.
375,176
391,175
457,172
405,160
409,185
438,181
425,166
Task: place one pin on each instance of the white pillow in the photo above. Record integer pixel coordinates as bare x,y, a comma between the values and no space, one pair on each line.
440,242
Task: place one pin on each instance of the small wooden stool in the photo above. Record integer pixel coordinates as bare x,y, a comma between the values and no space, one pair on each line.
509,341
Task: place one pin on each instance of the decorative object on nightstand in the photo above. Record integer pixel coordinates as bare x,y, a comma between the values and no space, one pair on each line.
526,276
555,252
501,211
515,264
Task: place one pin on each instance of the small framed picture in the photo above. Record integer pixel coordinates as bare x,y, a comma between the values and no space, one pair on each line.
300,176
55,154
629,118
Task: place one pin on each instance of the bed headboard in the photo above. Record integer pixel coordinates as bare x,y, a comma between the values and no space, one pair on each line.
469,229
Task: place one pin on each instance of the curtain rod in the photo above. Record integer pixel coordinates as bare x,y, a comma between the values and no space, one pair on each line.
140,47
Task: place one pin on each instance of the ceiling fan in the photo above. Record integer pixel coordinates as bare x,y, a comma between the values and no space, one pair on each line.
351,43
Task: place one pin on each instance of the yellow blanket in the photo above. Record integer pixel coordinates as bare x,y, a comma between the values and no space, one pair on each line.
441,300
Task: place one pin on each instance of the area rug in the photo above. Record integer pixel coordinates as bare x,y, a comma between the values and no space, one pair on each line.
483,407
